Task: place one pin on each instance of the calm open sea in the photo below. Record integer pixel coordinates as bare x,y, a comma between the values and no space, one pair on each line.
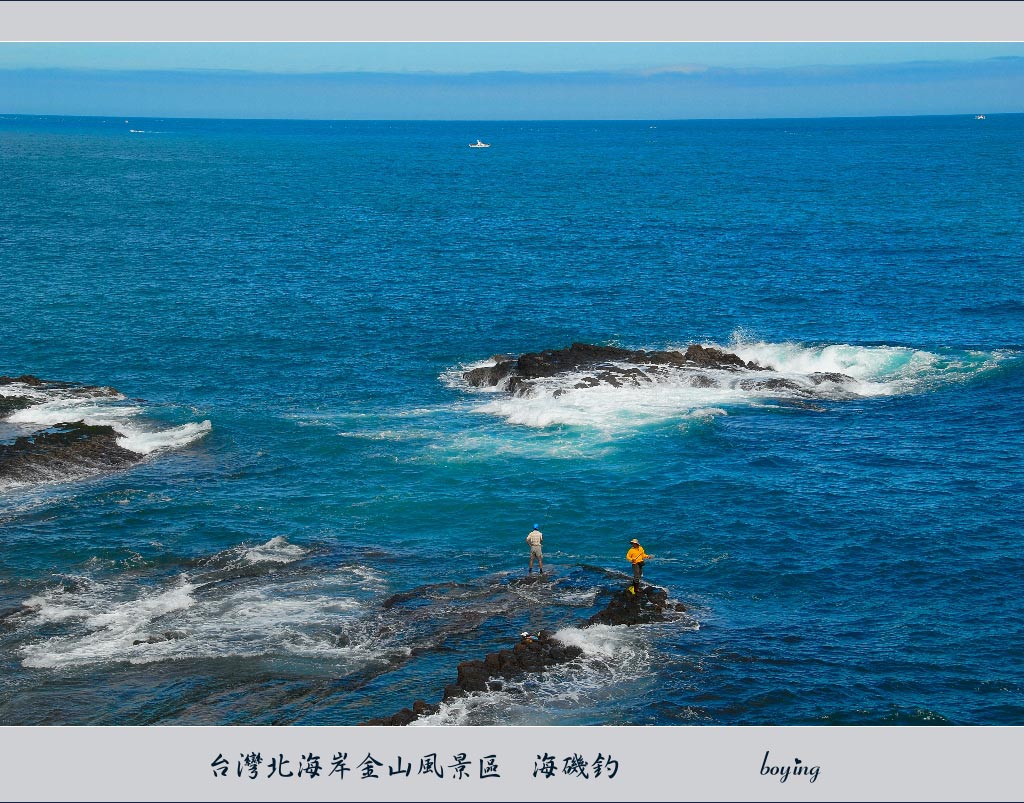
287,308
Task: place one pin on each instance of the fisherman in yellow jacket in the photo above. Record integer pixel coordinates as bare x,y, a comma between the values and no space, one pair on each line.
636,556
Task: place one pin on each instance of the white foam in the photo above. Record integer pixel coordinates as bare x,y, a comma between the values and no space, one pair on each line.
476,446
368,577
20,389
63,411
143,441
610,408
671,393
102,408
611,657
300,617
112,628
276,550
603,641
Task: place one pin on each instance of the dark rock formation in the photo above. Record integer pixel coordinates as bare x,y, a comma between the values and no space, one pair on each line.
24,379
606,363
11,404
69,388
618,367
774,383
534,655
818,378
68,450
650,604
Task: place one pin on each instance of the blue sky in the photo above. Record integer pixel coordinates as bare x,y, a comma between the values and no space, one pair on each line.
510,80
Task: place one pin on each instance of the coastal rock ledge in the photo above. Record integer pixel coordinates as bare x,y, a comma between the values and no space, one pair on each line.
651,604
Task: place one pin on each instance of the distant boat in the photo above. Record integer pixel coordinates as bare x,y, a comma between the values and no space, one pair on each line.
979,117
479,144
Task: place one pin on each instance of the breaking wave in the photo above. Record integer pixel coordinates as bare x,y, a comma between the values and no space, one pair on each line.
57,431
101,407
796,374
614,657
233,605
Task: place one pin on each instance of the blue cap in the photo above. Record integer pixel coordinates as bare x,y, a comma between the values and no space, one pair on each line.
536,526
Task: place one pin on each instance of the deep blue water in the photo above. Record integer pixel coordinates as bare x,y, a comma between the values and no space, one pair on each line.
313,289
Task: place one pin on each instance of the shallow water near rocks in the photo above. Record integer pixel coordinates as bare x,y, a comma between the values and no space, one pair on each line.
315,292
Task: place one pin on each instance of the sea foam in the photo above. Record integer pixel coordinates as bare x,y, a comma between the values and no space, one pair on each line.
794,373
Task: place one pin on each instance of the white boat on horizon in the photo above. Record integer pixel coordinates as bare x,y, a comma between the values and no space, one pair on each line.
479,144
979,117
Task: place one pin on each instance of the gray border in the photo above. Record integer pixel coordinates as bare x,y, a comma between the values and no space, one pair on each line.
678,763
504,21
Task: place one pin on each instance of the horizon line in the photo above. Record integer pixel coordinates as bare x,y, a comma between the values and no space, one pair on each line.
104,117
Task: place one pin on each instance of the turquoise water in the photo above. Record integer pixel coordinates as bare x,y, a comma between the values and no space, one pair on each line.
314,290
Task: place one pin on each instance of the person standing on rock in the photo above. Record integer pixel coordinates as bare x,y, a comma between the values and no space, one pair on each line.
535,539
637,556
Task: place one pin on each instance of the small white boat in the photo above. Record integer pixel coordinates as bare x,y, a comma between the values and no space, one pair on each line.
479,144
979,117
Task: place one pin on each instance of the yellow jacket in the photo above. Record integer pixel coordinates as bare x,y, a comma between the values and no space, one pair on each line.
637,555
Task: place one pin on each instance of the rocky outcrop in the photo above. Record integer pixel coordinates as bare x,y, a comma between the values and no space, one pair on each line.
534,655
11,404
604,365
67,450
24,379
63,451
650,604
67,388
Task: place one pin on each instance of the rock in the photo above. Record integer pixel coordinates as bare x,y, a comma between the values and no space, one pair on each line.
650,604
453,690
62,452
819,377
707,357
647,605
24,379
11,404
606,363
775,383
488,674
72,388
489,375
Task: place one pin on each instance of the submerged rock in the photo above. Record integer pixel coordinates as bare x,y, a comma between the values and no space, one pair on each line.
63,451
168,635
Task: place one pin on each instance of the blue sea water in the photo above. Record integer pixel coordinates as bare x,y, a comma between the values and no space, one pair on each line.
313,291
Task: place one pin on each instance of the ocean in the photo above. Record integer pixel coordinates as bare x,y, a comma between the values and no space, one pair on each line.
286,309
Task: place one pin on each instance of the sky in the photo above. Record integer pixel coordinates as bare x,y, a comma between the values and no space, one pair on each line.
509,81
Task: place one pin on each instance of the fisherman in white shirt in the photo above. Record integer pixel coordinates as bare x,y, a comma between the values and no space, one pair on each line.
535,539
